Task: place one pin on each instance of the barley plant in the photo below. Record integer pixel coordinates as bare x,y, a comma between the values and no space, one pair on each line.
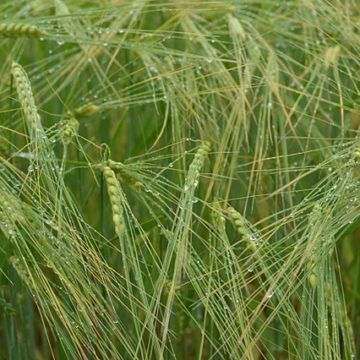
180,179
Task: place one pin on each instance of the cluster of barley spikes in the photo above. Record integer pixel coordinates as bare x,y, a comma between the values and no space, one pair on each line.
180,179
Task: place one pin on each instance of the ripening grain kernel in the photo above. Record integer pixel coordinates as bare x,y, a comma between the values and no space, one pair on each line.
331,56
312,280
14,30
356,152
61,8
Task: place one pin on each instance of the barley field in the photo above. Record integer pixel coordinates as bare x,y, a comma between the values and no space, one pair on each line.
180,179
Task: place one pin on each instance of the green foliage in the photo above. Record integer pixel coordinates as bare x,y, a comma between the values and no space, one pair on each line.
179,179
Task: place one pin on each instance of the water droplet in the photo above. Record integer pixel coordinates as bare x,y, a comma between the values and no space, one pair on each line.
253,237
60,42
48,222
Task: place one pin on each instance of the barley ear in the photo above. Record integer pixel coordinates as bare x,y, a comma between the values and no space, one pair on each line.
69,129
124,175
114,192
243,227
235,28
86,110
14,30
26,97
197,164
